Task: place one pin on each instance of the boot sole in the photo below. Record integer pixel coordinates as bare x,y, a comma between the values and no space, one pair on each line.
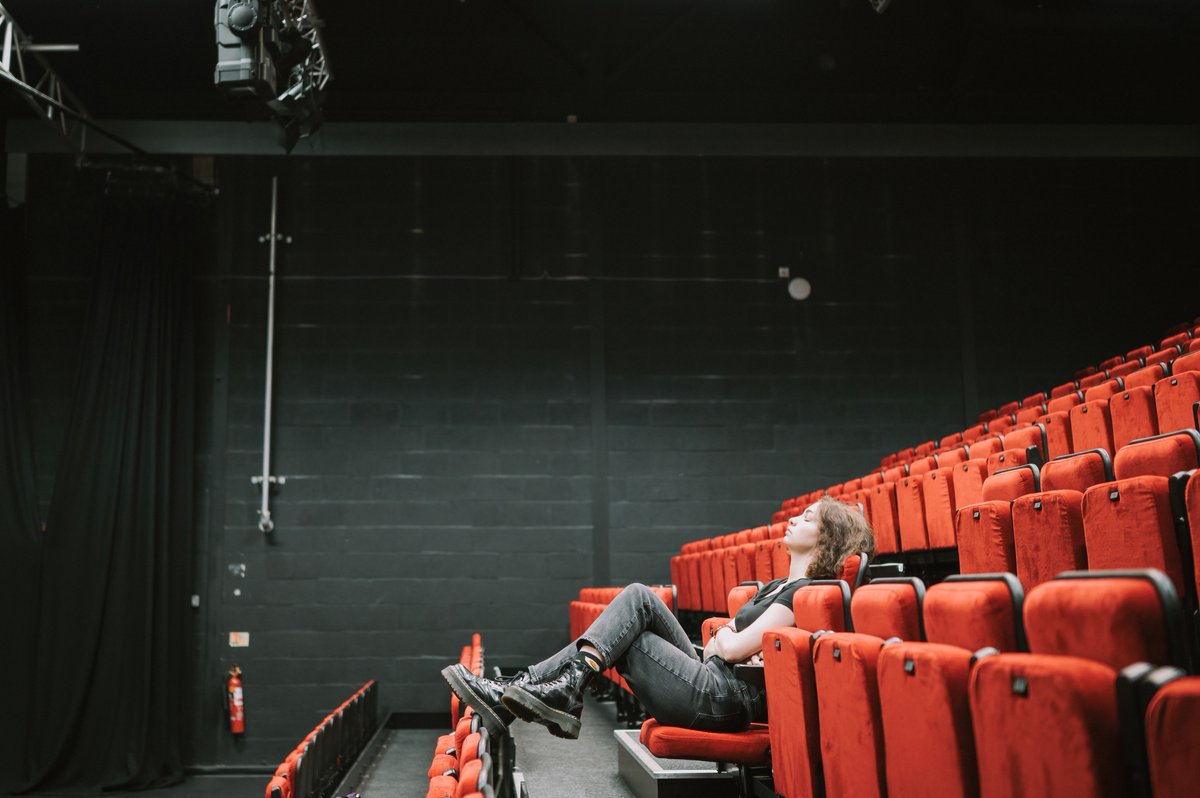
462,689
531,710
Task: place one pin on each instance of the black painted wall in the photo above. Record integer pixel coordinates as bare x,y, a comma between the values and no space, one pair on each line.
500,380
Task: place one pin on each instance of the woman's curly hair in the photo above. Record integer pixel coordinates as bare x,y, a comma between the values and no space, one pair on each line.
843,531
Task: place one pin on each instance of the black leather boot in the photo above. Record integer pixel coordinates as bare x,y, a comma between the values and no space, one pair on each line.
483,694
555,703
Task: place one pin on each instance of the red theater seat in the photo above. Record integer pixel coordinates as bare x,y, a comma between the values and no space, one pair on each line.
1171,722
844,666
924,702
1047,722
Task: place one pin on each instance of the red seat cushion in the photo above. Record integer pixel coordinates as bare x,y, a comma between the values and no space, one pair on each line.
749,747
972,614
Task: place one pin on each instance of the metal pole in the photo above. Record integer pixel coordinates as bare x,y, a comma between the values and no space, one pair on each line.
265,523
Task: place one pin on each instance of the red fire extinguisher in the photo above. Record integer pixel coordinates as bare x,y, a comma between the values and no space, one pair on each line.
237,709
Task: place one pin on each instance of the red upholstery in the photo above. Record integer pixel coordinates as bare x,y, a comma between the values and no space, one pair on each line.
1046,723
738,596
854,571
1024,437
1091,426
1103,390
974,612
1174,397
844,667
884,518
872,479
889,608
985,538
974,433
1133,415
926,720
441,787
910,509
1048,535
1093,379
1187,362
986,447
1064,402
1007,484
792,694
473,777
953,455
1112,620
1147,376
1162,455
824,605
1078,471
968,481
1006,458
1172,719
1045,726
923,465
1191,496
750,747
1128,524
763,560
1058,432
1063,389
939,507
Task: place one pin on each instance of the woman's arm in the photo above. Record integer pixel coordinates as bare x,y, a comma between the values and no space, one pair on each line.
733,646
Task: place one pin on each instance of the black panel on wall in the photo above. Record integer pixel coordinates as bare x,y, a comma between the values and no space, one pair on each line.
439,332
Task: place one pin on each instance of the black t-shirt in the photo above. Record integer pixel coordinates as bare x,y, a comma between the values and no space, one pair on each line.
767,595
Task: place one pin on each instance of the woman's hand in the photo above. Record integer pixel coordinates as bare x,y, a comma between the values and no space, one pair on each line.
755,659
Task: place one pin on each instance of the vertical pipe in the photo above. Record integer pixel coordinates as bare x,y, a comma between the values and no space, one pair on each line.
265,524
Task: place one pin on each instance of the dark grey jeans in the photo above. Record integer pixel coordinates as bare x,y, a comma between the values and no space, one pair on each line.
638,635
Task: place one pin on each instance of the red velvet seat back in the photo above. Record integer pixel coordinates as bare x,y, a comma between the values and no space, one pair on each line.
938,494
1058,433
1174,398
854,571
1114,620
884,518
985,538
1007,484
1128,524
1045,726
1133,415
968,480
910,511
1172,719
852,752
792,695
1161,455
972,612
1077,471
889,608
1091,426
822,606
926,721
1048,535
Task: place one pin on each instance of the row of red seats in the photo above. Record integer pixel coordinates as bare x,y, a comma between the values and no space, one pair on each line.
912,506
1135,395
705,570
972,688
1086,510
313,767
462,764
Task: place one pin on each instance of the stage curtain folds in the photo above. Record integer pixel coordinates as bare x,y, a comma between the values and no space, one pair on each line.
114,610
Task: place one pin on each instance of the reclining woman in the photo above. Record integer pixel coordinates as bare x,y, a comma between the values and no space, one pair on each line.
640,636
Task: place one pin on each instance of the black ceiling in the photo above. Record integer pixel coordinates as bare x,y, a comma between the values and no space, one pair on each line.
764,61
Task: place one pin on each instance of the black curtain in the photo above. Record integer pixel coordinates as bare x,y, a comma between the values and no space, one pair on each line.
115,580
20,536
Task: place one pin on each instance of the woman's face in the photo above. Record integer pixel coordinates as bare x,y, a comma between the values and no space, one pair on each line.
803,529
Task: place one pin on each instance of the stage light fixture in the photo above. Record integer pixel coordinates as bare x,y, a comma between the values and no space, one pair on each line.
271,52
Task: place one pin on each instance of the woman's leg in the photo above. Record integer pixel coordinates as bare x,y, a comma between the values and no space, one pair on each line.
678,690
635,609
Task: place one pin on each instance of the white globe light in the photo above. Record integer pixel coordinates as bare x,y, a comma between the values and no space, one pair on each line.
799,288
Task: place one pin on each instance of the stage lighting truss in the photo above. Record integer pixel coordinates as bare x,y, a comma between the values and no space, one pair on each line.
22,65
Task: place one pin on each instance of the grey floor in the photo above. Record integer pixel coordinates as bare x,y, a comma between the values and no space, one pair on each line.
550,767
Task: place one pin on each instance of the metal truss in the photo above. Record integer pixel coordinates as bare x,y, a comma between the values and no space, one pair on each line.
300,99
21,64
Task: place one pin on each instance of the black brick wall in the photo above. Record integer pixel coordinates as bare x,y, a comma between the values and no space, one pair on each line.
499,380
